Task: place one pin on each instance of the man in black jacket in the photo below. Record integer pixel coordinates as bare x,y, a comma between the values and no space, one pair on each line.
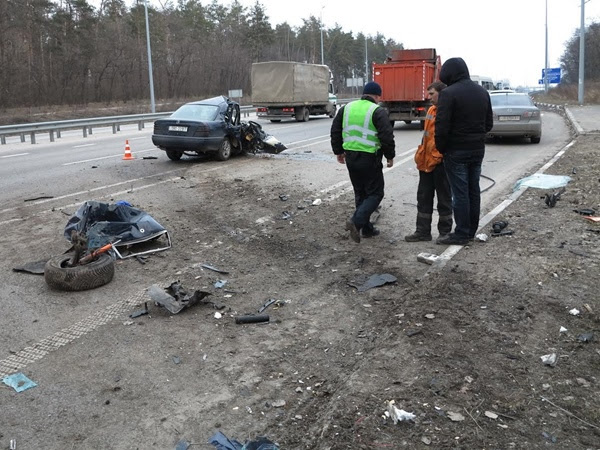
464,116
361,133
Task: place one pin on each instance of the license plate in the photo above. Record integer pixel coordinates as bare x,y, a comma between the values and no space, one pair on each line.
504,118
175,128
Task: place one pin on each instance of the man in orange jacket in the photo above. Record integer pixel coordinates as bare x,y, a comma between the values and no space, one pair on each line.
432,178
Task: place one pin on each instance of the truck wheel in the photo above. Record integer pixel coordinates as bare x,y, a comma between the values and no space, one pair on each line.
332,113
302,114
224,152
408,122
392,123
174,155
275,120
58,275
422,125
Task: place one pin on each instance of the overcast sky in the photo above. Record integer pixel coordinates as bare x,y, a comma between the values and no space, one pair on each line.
502,39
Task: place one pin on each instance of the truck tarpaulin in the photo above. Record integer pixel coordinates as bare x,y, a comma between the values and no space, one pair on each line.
289,82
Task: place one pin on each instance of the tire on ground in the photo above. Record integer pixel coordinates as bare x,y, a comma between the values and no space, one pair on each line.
61,277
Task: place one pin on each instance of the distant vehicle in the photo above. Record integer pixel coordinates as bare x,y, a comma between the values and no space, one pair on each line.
292,90
404,78
515,115
211,126
485,82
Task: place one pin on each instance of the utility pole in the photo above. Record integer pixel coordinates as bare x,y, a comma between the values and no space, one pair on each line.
581,54
366,62
153,106
546,65
321,23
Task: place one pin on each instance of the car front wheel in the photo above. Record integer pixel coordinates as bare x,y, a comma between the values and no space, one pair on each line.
174,155
224,152
536,139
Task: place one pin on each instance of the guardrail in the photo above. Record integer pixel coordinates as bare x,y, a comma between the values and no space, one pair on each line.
87,125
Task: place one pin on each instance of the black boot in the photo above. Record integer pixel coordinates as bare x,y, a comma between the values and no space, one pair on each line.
445,225
423,232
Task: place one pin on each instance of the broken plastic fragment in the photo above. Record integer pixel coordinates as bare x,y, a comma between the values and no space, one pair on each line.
562,330
574,312
374,281
543,181
19,382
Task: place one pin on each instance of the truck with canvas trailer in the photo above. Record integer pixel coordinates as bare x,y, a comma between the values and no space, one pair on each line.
292,90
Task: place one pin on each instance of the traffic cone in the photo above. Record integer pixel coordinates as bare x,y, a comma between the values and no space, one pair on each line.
127,156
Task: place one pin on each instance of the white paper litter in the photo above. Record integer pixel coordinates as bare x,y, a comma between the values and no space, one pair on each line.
574,312
398,415
563,330
549,359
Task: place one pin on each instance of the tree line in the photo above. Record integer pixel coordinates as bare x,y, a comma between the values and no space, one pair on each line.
62,52
68,52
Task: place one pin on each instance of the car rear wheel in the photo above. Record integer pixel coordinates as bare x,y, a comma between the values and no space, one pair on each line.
536,139
408,122
174,155
224,152
275,120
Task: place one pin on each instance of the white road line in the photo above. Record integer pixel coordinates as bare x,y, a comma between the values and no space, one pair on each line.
108,186
309,139
12,156
106,157
83,145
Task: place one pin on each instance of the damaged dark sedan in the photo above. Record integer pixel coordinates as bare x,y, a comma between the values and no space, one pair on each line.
213,127
209,126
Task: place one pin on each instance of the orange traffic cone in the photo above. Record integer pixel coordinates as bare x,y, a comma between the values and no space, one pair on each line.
127,155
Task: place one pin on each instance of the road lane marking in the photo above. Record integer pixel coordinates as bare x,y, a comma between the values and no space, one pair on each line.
83,145
105,157
16,154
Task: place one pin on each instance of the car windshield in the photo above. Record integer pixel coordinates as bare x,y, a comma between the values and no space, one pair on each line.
510,100
196,112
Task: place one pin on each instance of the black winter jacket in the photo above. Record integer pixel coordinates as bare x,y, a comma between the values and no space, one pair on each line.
464,110
381,120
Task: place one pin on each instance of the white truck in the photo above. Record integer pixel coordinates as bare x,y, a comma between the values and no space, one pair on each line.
288,90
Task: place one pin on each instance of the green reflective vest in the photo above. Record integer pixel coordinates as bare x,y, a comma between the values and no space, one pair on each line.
358,132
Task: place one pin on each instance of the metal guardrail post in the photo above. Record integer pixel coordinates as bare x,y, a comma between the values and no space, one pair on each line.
32,135
84,131
51,136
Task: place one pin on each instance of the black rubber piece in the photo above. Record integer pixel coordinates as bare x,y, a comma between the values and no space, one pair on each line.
252,318
60,276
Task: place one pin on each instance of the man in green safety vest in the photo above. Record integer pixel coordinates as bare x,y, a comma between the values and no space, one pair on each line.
361,134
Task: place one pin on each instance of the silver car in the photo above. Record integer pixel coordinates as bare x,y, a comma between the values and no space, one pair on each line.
515,115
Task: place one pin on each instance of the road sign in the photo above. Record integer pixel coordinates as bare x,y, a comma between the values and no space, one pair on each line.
233,93
553,75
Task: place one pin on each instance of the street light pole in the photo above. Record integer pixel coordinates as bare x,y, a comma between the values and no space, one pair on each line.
321,24
153,106
581,54
546,65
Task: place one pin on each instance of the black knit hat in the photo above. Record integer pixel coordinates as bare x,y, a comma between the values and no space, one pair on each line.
372,88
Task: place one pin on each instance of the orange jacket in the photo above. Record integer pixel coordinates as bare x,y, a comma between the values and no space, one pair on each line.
427,156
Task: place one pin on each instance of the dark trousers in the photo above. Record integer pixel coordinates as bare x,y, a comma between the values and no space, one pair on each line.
431,184
366,175
463,168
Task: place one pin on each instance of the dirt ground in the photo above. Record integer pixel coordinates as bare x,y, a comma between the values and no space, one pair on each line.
459,348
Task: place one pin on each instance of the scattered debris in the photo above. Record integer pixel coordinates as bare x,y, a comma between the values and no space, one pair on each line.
280,403
150,157
140,312
491,415
19,382
455,417
266,305
562,330
549,359
35,267
586,337
175,297
374,281
222,442
398,415
283,197
182,445
427,258
585,211
411,333
593,219
543,181
252,318
503,233
574,312
481,237
317,202
214,269
41,197
551,199
220,283
497,227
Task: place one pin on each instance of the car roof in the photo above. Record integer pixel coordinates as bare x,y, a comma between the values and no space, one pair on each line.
216,101
505,91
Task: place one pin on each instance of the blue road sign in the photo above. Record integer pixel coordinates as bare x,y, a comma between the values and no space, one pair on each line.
553,75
